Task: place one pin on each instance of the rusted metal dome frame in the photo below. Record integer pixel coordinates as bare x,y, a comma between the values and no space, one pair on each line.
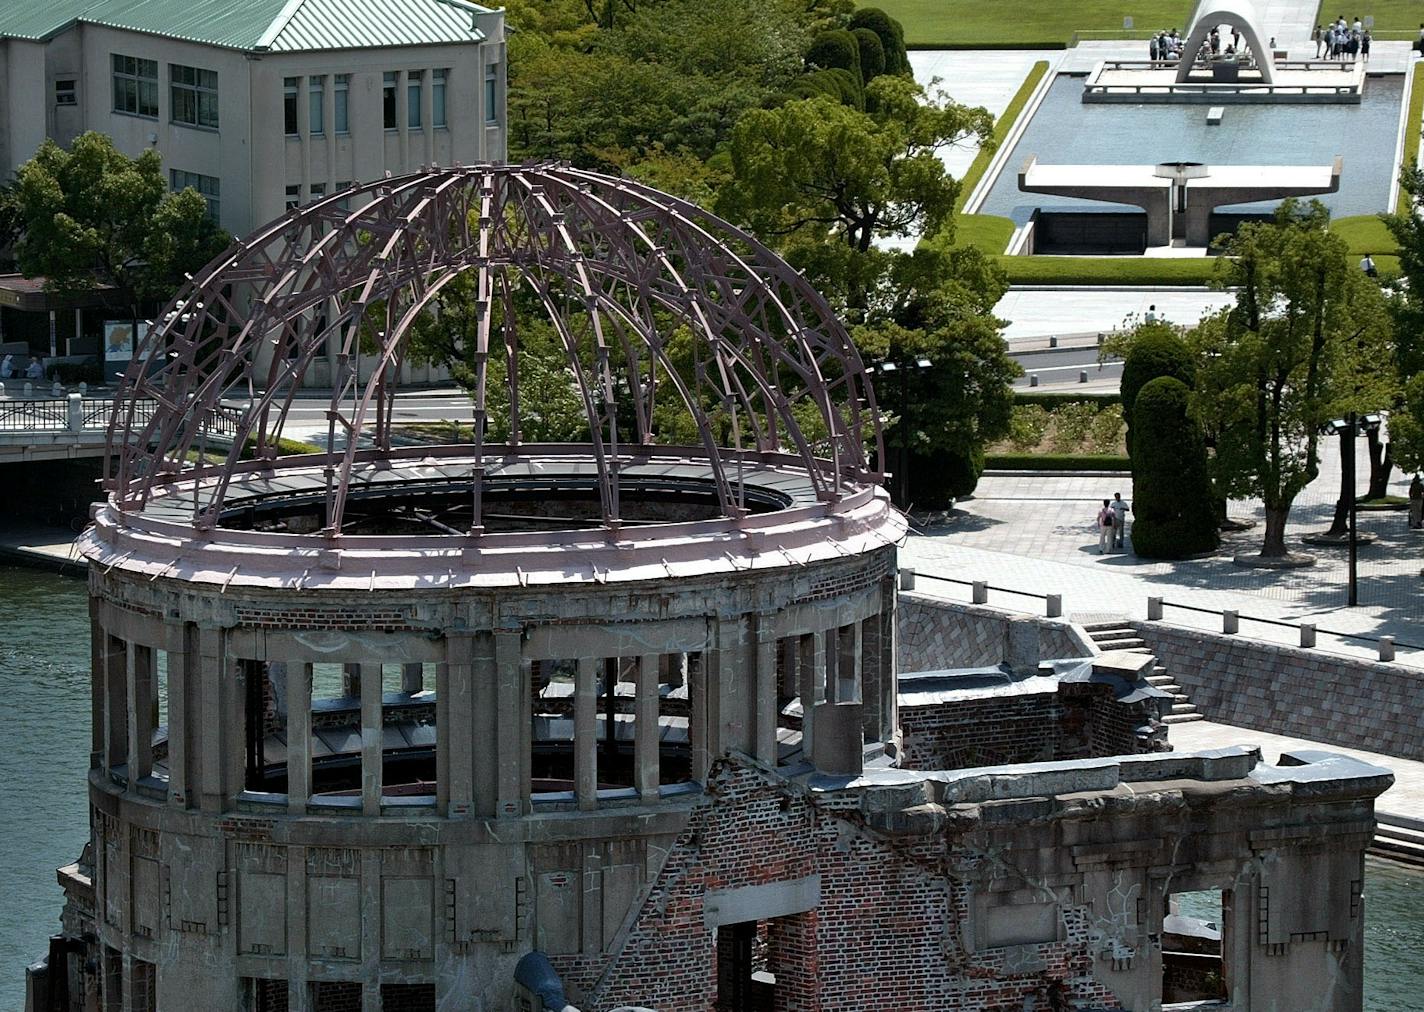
604,256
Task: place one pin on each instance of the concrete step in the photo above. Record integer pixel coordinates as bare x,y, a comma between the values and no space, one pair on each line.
1181,700
1161,681
1181,718
1181,707
1121,644
1115,626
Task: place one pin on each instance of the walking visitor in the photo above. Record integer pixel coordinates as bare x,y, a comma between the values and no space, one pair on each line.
1119,511
1416,504
1105,528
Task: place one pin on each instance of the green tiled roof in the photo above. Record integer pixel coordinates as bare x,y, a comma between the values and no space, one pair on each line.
261,25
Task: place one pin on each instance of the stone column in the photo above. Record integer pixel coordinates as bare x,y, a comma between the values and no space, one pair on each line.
179,694
697,716
586,732
412,678
510,757
766,708
647,760
98,646
454,742
372,735
140,715
299,689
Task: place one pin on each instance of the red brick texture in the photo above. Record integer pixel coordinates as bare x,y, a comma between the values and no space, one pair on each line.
887,933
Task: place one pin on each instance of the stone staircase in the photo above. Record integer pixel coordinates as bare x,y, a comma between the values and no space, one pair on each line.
1118,635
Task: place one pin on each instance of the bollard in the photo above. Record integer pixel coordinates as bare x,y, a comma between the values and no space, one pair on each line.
1083,376
1154,609
1055,605
1053,342
1307,634
1033,380
1230,622
2,390
1386,648
907,579
76,413
56,390
29,389
979,592
83,388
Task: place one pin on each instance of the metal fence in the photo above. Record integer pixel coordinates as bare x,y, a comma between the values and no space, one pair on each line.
92,414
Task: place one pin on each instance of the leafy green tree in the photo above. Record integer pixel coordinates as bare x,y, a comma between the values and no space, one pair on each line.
1174,514
92,214
815,173
938,305
1306,340
1407,308
835,49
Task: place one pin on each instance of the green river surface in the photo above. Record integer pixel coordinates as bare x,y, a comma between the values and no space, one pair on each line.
44,749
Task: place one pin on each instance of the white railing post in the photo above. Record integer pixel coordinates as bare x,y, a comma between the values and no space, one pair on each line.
1386,648
76,413
907,578
1307,634
1230,622
1055,605
1154,609
979,592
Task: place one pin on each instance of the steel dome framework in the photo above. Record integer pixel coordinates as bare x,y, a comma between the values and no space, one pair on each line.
617,267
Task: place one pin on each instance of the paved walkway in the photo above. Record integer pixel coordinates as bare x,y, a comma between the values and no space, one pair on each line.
1405,799
1035,312
1032,534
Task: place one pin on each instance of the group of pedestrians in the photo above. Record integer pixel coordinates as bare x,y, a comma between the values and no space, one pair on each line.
1341,40
9,370
1165,45
1112,523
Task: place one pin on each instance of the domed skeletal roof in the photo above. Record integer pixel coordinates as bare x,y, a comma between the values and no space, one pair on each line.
652,300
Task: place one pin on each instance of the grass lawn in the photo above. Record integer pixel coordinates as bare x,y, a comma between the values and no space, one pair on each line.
1030,24
989,232
1395,20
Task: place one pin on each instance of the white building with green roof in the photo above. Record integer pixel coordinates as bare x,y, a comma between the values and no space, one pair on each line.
257,104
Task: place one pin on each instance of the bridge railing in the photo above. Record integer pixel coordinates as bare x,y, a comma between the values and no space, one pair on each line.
78,414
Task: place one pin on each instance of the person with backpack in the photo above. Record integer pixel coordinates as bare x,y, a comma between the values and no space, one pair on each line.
1105,528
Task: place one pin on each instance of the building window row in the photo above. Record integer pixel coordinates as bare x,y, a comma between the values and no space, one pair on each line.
193,92
208,186
491,92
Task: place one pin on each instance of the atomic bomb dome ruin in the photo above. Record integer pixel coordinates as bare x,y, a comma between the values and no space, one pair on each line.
496,724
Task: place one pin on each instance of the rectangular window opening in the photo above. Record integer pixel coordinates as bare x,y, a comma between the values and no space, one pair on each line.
66,92
336,730
266,994
1196,936
408,732
491,92
388,99
289,106
294,196
342,104
414,84
745,977
408,997
788,701
316,105
551,732
260,720
145,987
674,746
335,996
113,980
437,97
135,86
193,94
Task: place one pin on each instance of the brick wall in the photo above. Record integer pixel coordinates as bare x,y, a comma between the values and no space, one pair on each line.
1291,691
886,934
935,634
1079,721
336,996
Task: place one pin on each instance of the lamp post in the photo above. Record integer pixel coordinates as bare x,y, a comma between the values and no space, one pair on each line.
903,367
1349,429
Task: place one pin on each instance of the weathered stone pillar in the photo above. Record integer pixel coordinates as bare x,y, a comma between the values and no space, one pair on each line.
697,716
766,708
176,646
116,680
647,762
511,760
372,735
586,732
412,678
299,688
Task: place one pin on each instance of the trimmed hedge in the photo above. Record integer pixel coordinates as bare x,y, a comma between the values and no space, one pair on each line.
1044,270
1153,354
1057,462
939,478
891,34
1173,511
1002,126
1056,399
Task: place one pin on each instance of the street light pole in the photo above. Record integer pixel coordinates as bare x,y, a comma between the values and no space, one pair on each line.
905,438
1348,465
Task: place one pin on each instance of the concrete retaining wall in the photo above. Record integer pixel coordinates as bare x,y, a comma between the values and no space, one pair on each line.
936,634
1292,691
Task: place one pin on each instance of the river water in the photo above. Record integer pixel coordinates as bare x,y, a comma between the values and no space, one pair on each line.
44,750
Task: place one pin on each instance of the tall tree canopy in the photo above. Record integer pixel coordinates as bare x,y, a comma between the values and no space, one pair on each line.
92,213
1307,340
830,181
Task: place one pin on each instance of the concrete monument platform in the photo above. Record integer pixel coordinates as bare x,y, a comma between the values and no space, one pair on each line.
1297,81
1179,197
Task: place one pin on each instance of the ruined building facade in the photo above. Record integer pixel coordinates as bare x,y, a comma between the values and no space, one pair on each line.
373,724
